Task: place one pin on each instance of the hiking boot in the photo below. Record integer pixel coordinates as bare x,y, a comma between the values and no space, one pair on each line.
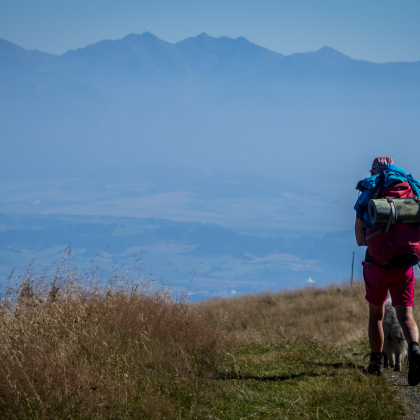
413,364
376,365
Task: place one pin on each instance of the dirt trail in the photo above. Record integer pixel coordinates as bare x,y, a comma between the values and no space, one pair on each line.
409,395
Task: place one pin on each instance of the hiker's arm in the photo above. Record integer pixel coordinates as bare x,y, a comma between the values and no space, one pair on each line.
359,232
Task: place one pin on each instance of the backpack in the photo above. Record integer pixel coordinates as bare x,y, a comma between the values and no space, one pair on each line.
396,245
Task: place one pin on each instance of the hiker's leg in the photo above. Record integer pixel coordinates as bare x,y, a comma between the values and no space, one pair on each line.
402,294
408,325
376,339
376,332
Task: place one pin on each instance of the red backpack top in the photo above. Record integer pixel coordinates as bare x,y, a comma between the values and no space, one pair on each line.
397,190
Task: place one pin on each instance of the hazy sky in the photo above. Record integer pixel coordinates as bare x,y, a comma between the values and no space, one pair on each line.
375,30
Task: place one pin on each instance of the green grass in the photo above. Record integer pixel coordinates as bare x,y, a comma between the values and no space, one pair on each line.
294,380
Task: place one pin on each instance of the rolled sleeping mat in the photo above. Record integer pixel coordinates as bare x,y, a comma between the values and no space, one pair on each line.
407,210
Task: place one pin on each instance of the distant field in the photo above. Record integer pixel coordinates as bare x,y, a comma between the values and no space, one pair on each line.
203,259
78,349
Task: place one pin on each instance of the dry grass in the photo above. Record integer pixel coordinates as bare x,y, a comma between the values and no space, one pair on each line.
72,350
336,314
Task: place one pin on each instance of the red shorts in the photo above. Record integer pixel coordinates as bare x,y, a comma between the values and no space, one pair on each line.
399,281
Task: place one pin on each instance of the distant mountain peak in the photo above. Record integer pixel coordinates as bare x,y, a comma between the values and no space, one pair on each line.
148,34
331,52
205,37
204,41
138,37
326,48
325,54
146,39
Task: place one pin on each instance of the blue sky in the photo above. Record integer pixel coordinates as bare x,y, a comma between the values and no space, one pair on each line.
380,30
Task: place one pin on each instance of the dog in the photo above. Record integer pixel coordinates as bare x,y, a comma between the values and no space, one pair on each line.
395,344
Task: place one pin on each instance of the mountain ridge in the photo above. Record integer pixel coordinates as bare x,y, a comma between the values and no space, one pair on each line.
144,58
4,44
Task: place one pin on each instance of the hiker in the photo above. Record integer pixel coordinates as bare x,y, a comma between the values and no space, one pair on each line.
384,268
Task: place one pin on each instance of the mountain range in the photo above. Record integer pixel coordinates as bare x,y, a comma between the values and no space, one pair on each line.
142,92
146,57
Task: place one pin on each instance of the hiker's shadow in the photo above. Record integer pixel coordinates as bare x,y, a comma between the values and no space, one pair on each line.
345,365
279,378
273,378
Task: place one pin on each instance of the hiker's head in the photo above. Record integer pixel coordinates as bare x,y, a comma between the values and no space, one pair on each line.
380,164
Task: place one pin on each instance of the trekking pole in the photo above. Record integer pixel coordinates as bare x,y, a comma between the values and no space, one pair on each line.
352,268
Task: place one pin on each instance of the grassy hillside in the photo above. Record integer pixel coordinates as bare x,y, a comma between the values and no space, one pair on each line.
73,348
336,314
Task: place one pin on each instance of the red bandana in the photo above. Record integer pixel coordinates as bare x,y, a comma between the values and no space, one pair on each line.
381,163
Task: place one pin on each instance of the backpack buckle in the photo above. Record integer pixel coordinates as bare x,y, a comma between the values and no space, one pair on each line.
392,214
